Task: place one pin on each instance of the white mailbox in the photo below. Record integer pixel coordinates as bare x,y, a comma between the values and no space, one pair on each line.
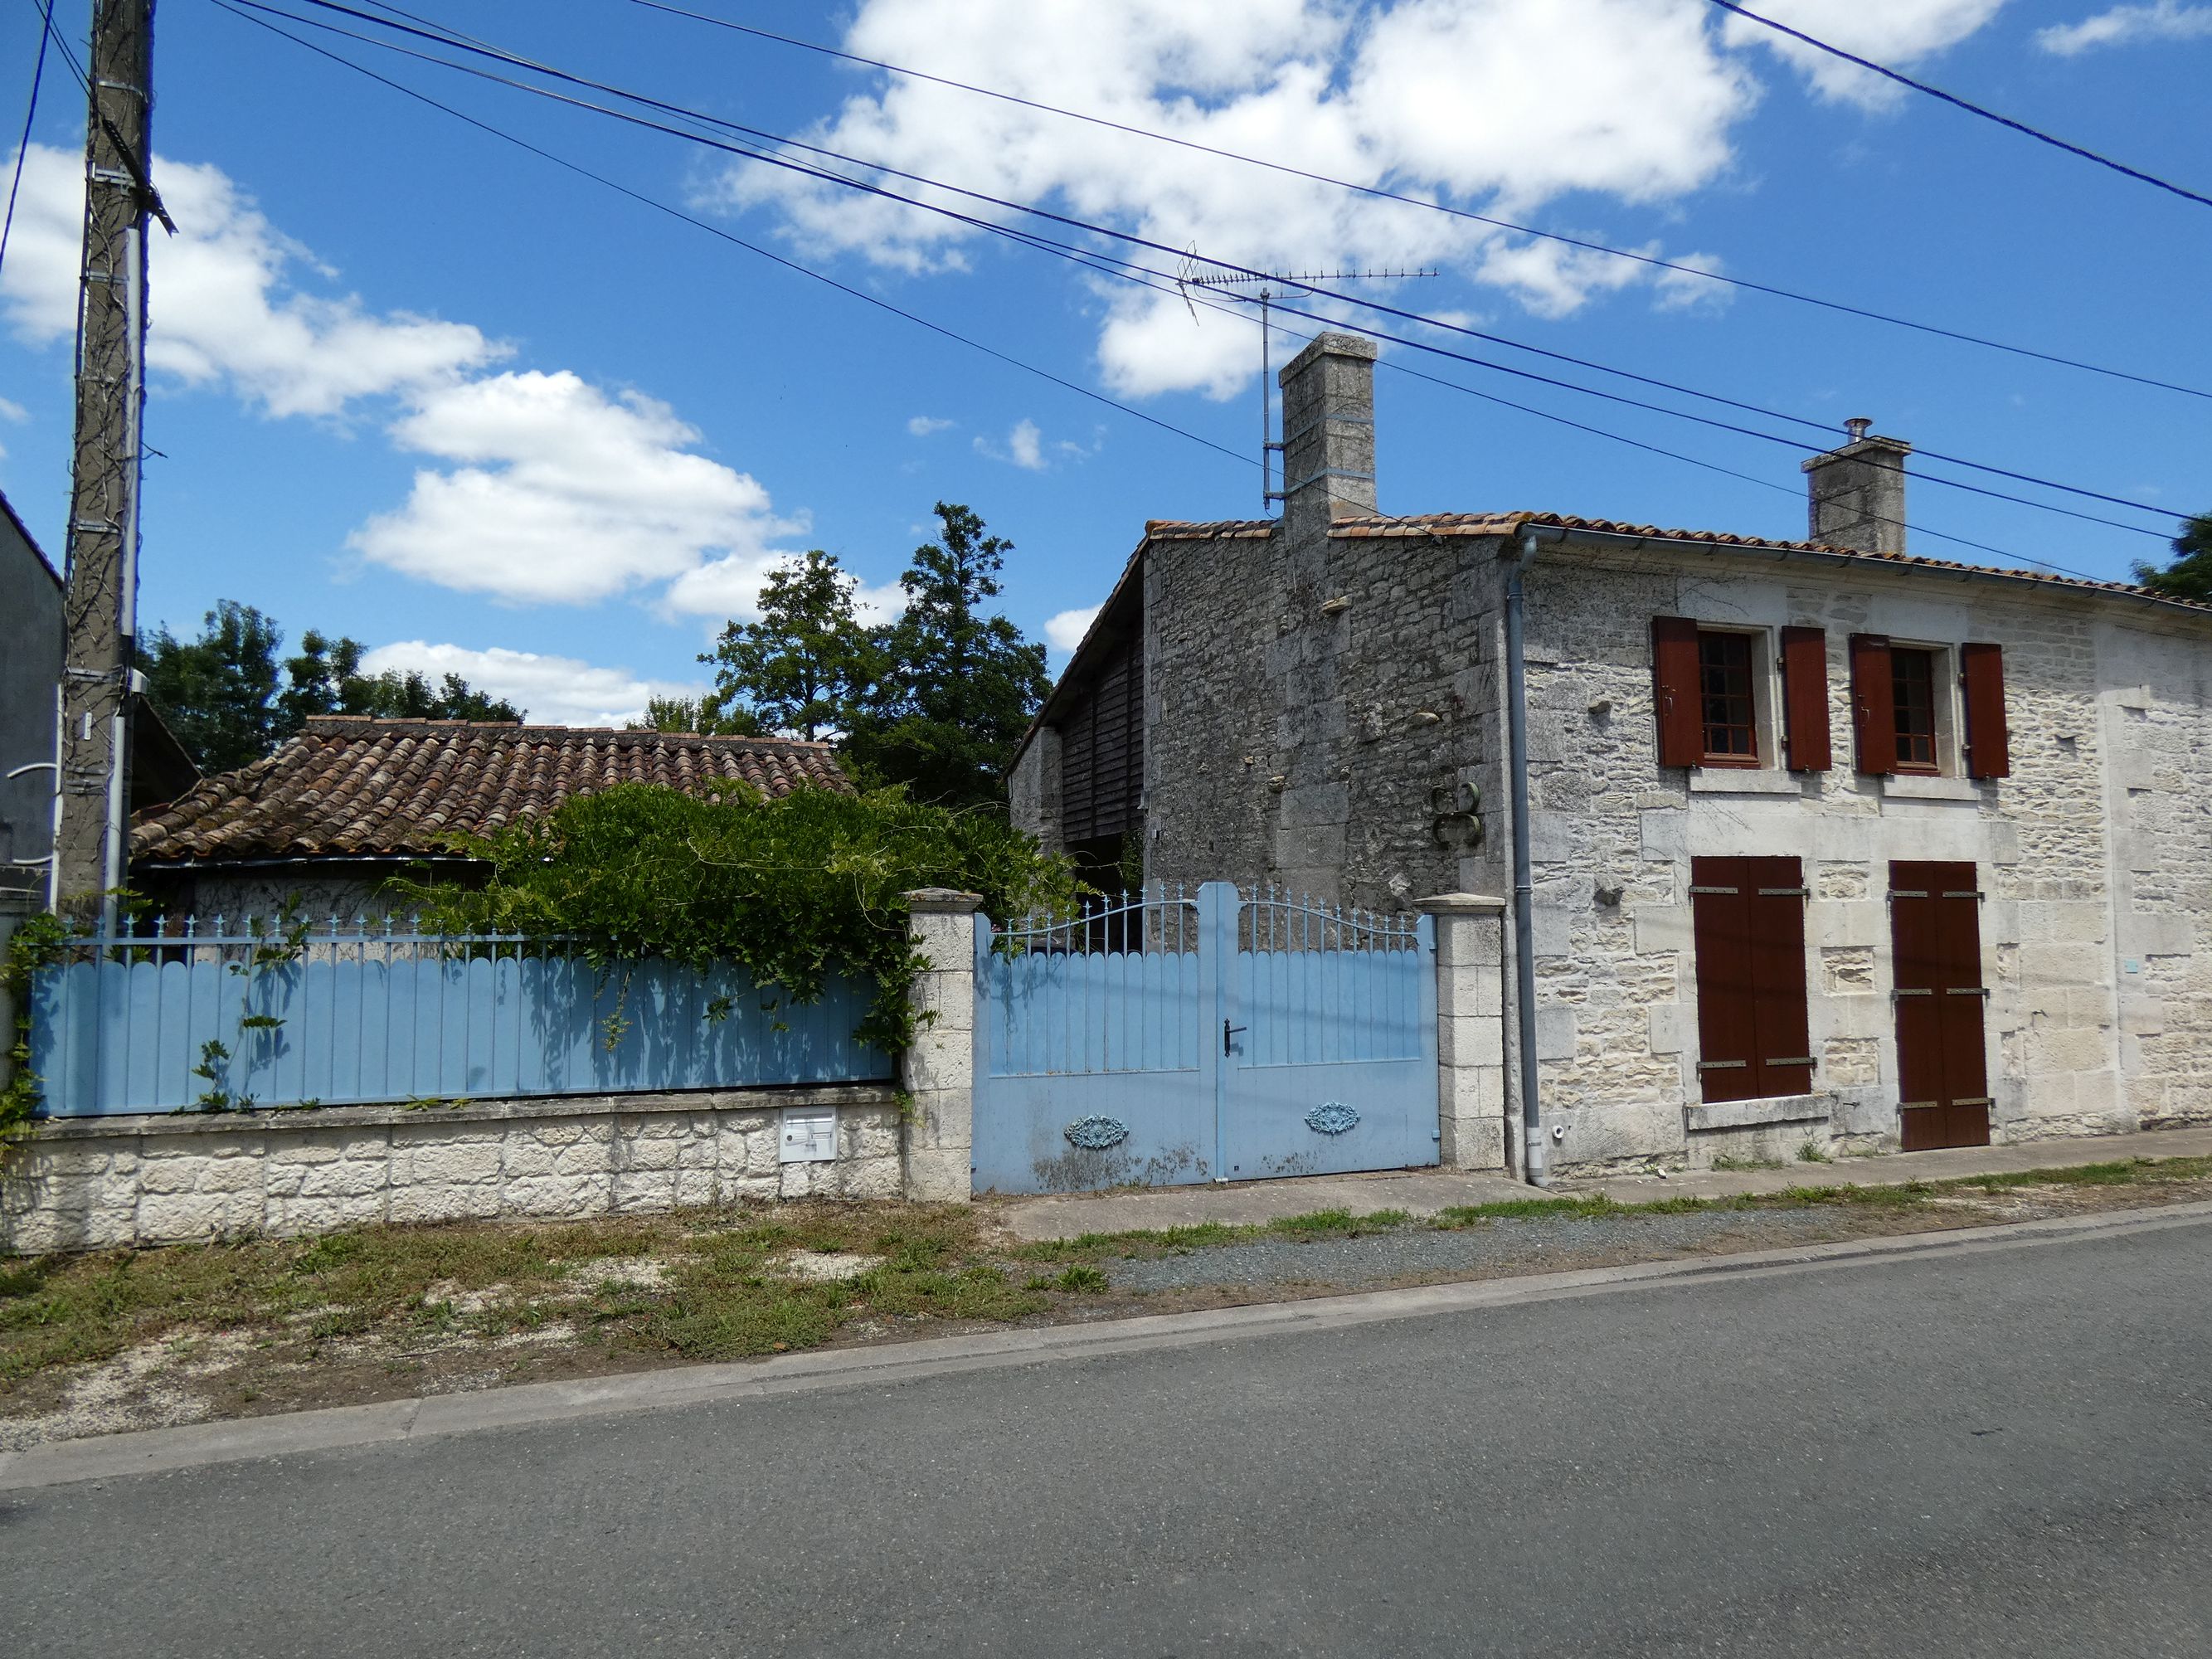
809,1134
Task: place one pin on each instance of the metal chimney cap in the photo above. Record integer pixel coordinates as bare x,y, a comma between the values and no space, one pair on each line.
1858,426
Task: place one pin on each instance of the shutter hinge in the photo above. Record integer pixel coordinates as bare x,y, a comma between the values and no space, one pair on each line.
1726,892
1723,1065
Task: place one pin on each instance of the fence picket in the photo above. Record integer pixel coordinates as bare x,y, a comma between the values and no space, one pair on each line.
365,1016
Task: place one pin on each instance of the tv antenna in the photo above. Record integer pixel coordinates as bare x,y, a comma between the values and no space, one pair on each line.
1200,273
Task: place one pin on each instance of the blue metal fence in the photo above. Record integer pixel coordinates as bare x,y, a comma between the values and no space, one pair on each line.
248,1011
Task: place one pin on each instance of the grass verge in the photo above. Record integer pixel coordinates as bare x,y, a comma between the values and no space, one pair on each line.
398,1309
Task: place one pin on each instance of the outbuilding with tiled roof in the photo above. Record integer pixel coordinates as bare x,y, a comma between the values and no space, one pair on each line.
350,799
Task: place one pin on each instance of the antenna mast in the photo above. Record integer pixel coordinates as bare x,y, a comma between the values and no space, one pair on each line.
1197,273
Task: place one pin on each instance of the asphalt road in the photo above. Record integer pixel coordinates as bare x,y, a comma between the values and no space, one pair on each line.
2002,1453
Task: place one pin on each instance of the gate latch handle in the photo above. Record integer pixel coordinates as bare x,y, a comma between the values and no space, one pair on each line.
1227,1031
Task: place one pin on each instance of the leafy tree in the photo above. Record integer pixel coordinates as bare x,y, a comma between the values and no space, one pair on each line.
2190,575
224,697
704,715
957,685
219,693
325,678
803,665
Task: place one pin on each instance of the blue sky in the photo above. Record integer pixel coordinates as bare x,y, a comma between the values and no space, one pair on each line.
417,386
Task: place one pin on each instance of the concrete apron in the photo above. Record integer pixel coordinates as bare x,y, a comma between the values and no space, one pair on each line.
1425,1192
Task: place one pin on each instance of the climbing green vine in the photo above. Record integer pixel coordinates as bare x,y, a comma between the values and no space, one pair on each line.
789,890
36,944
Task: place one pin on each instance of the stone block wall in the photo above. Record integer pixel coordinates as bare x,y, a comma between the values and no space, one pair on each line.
1313,712
84,1183
2097,1020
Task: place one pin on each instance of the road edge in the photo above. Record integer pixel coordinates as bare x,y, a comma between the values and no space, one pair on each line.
153,1451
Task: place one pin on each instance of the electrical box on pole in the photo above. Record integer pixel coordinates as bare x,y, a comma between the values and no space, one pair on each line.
100,607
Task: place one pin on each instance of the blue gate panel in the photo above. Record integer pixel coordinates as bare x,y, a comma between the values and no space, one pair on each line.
1167,1040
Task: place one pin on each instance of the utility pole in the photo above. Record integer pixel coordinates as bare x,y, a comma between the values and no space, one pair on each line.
100,607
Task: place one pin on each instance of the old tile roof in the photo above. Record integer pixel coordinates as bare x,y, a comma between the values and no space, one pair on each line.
1509,524
360,787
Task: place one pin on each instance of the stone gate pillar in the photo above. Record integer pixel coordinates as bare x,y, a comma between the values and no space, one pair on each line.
936,1142
1471,1101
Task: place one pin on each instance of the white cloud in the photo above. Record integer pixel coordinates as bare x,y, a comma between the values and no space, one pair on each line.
921,426
1497,104
1025,447
561,493
225,308
552,690
730,588
2163,20
1896,33
1066,630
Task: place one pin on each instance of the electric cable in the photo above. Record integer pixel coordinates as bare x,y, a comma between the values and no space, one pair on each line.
739,242
1379,193
789,164
30,115
1205,299
1952,99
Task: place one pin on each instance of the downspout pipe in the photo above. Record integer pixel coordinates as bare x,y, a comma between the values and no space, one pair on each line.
1535,1153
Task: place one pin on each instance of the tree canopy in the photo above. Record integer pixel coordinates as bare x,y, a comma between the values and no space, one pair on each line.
935,700
2190,575
226,698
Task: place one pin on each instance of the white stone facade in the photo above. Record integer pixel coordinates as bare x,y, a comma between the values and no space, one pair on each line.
2097,872
98,1182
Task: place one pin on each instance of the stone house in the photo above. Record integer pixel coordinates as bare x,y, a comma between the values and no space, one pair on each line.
1826,844
351,801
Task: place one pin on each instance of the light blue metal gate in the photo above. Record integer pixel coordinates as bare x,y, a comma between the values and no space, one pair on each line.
1174,1038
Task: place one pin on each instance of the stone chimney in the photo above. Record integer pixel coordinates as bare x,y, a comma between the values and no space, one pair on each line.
1328,434
1858,492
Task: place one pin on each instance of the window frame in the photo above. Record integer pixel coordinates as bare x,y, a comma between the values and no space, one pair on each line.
1751,723
1943,721
1765,700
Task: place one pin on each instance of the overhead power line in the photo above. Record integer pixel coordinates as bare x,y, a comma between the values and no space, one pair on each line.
789,163
1378,192
739,242
31,114
1972,108
1102,262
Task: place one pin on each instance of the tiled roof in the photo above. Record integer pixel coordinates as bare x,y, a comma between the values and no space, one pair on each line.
1510,524
358,787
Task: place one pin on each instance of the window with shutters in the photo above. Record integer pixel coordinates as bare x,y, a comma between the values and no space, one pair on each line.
1754,1037
1714,694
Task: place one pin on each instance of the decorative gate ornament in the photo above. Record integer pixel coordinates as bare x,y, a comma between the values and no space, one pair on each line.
1331,1117
1096,1135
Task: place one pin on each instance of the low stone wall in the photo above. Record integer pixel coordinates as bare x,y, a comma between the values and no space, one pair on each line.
81,1184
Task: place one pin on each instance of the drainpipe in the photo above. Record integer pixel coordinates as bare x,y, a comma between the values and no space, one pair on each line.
1533,1160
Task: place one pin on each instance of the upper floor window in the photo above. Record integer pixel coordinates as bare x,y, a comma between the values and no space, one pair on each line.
1913,681
1724,698
1934,710
1731,711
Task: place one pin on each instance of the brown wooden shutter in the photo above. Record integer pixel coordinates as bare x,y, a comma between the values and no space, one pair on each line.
1728,1045
1805,698
1989,741
1874,705
1748,932
1674,684
1937,965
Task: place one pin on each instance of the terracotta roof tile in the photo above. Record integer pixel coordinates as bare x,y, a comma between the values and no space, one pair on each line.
359,788
1507,524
